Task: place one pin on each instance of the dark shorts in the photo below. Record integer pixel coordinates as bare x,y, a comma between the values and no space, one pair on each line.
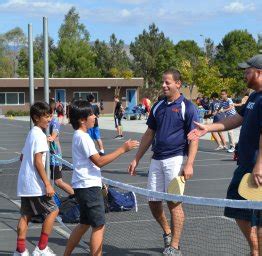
92,209
94,133
37,205
55,172
117,121
253,216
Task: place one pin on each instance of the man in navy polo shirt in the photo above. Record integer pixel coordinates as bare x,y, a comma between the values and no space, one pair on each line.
250,152
169,122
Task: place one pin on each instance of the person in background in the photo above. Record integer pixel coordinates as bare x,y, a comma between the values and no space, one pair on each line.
118,114
147,105
60,111
215,111
227,107
101,105
55,150
94,132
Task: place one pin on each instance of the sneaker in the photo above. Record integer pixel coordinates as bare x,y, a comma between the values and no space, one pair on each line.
225,147
167,240
171,251
102,154
219,148
46,252
25,253
117,137
231,150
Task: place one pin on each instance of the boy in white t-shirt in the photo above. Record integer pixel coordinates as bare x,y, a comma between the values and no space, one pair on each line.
86,179
33,185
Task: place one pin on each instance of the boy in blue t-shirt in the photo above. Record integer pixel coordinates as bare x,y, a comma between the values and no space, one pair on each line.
55,150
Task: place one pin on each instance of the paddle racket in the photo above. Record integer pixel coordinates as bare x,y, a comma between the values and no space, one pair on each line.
177,186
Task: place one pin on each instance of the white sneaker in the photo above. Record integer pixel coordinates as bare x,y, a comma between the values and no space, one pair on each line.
219,148
46,252
25,253
231,150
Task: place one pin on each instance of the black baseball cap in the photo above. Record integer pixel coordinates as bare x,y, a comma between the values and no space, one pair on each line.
254,62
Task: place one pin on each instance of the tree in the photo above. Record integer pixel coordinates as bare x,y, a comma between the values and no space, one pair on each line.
111,56
236,46
210,50
75,57
147,49
38,46
13,40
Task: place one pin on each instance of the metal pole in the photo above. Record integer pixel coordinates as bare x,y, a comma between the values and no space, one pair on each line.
46,84
31,69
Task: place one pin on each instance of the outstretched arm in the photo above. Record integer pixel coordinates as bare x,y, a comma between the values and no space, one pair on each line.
224,125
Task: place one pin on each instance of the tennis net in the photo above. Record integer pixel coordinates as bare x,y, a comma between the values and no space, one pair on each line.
206,230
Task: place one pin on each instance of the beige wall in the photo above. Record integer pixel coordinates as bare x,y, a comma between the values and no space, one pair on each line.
103,93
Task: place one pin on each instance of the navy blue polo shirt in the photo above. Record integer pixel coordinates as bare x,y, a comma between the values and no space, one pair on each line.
250,131
171,123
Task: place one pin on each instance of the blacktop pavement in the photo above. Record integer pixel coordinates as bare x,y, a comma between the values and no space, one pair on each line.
139,126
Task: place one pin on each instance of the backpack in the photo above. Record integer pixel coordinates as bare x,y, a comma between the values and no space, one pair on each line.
118,201
69,210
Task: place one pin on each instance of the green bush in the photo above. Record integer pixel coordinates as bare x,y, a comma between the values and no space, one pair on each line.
17,113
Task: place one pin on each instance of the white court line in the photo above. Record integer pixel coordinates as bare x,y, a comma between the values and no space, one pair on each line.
3,149
128,221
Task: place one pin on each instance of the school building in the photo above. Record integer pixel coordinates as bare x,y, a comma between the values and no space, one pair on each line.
14,92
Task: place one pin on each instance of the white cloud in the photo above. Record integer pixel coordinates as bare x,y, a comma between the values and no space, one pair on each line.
35,7
239,7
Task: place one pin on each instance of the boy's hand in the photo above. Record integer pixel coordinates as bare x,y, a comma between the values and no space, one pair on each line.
200,131
257,174
132,167
50,138
49,190
130,144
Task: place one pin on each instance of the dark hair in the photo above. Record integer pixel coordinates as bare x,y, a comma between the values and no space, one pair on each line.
214,95
52,105
224,90
39,109
79,109
175,74
90,97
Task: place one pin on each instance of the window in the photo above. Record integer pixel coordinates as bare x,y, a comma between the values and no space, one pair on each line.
83,95
12,98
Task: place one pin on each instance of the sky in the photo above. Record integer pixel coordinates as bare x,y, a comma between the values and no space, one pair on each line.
179,20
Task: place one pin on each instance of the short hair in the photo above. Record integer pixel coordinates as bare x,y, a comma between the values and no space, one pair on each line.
116,97
52,105
175,74
224,90
90,97
79,109
39,109
214,95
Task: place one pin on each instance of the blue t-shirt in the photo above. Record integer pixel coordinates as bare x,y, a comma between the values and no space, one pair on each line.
216,106
55,148
171,123
250,131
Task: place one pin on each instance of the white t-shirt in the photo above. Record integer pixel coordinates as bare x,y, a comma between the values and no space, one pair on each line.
29,182
85,174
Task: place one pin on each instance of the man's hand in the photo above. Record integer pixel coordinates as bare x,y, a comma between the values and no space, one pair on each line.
49,190
130,144
188,171
257,174
200,131
132,167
